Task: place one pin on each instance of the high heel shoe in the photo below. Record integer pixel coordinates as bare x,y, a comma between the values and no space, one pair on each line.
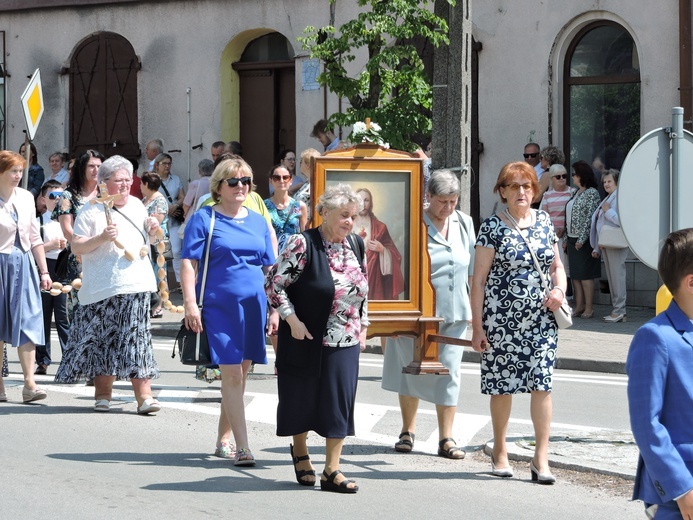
300,473
500,472
614,318
541,478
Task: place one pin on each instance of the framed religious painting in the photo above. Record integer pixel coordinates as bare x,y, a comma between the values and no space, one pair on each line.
390,183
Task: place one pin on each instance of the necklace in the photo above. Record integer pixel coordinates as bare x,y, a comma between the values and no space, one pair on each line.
337,253
512,219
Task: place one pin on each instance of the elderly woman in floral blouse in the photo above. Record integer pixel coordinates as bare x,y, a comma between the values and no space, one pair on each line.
319,287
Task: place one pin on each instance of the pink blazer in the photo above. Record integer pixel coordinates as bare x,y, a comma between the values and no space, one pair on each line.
23,203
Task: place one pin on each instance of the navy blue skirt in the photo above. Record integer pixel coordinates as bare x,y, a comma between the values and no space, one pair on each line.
323,404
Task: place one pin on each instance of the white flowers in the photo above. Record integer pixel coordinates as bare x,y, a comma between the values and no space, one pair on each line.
367,132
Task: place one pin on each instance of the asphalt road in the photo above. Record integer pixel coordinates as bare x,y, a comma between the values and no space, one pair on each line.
62,460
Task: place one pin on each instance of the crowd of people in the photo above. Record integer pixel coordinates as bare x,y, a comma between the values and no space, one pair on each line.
87,260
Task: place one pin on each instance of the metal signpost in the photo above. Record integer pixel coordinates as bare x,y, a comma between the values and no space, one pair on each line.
656,180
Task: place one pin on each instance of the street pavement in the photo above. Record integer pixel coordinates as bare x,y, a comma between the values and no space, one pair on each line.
590,345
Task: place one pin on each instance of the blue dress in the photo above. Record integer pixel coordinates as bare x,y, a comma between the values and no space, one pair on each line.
235,305
521,332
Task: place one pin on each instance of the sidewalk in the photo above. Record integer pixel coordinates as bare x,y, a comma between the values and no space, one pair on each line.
589,345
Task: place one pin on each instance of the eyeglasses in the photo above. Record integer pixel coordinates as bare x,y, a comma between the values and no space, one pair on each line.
281,178
121,181
290,159
516,187
528,155
54,195
233,181
561,176
164,164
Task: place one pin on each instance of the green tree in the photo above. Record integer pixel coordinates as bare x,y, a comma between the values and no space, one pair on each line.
392,88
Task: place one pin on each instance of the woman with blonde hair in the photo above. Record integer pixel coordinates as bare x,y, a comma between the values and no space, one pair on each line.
240,253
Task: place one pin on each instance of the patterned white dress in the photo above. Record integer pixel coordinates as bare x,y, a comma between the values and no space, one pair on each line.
521,332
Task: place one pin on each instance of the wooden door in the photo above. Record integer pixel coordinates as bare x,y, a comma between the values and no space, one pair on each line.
267,115
103,96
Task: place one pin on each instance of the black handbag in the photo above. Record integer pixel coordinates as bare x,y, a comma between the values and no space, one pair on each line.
193,347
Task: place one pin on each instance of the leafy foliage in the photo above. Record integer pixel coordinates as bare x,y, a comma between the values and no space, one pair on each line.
392,87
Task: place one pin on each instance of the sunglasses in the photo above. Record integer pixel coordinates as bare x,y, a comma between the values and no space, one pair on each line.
281,178
233,181
516,187
561,176
54,195
528,155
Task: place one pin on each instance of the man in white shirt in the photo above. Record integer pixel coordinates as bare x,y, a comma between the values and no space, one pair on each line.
533,157
153,148
56,162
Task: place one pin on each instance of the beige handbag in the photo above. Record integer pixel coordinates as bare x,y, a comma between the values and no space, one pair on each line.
612,237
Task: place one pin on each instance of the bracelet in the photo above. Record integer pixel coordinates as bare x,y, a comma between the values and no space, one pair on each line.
44,273
562,292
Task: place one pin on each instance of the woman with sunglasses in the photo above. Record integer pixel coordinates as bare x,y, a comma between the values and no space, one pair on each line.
235,305
513,326
554,201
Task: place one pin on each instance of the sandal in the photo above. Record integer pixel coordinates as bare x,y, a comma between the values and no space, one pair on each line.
405,445
452,452
157,314
342,487
225,451
102,405
149,405
243,458
300,473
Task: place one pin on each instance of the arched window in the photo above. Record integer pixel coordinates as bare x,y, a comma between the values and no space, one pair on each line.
602,95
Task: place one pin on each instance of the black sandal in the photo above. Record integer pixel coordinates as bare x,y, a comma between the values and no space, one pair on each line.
300,473
450,453
405,445
342,487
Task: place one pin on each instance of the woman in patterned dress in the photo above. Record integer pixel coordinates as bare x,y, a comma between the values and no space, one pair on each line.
80,188
512,321
157,206
319,287
288,215
110,337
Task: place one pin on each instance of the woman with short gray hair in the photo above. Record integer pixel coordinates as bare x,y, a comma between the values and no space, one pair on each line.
109,337
320,288
443,183
451,242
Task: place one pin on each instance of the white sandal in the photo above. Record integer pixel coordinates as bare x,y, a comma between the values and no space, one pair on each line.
102,405
150,405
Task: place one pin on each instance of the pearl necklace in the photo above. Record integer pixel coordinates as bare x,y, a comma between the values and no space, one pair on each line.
333,253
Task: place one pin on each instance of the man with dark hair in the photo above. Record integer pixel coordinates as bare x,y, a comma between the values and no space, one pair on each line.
217,149
234,147
325,135
660,390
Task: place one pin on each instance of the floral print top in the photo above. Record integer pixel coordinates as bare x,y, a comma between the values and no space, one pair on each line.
579,214
159,205
350,304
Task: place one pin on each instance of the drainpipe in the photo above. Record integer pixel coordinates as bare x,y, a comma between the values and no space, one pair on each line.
685,63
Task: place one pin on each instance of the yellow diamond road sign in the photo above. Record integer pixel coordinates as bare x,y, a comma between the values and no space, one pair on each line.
32,102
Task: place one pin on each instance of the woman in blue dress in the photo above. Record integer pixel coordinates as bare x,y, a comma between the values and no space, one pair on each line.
235,304
512,321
